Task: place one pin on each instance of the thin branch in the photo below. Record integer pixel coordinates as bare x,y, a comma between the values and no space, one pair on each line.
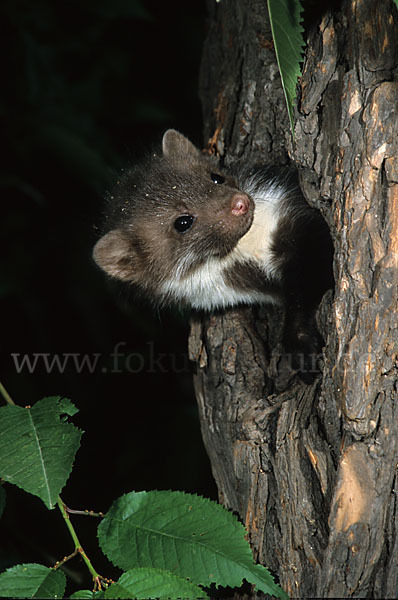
6,395
86,513
59,563
98,579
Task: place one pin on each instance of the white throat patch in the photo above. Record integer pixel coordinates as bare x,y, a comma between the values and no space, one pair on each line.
206,289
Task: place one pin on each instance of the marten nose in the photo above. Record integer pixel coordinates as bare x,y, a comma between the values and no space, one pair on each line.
240,204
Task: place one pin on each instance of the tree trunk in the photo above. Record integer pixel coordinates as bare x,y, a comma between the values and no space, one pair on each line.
311,469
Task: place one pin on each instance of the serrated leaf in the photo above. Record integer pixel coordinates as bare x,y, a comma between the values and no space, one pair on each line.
2,500
149,583
87,594
37,446
186,534
32,581
287,32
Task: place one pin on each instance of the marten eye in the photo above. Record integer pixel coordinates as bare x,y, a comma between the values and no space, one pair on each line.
183,223
216,178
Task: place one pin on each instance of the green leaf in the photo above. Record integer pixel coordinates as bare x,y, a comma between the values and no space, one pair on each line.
153,583
87,594
38,446
287,32
2,499
188,535
32,581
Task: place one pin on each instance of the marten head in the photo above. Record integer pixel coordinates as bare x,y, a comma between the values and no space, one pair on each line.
170,216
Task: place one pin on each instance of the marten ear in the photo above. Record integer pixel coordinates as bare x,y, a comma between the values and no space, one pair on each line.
116,255
177,147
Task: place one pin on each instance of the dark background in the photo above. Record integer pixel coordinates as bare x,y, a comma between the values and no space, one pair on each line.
86,87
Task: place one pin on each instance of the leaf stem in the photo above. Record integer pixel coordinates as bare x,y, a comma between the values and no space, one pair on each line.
78,547
6,395
59,563
84,513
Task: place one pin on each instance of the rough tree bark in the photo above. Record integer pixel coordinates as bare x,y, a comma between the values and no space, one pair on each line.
311,469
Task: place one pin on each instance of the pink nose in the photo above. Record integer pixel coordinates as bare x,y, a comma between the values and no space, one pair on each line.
240,204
